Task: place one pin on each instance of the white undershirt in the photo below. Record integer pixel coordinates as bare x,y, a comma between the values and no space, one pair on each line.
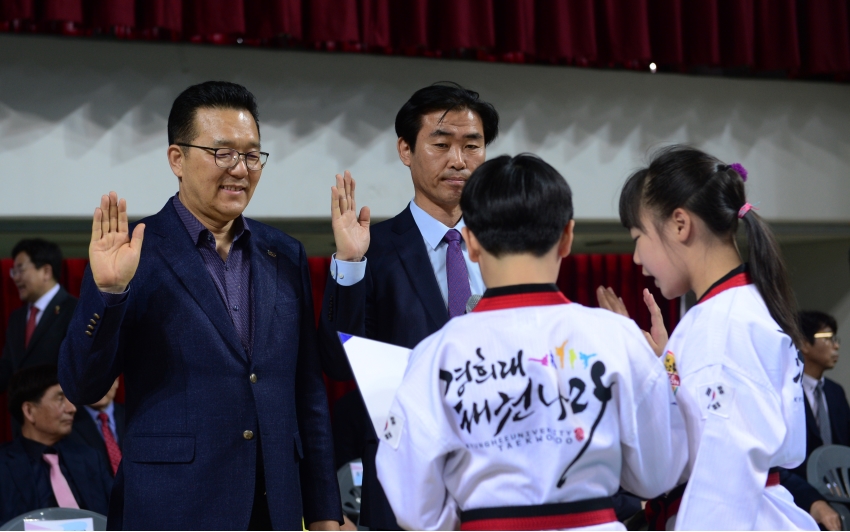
42,303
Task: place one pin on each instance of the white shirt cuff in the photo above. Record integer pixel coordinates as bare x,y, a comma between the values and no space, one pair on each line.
347,273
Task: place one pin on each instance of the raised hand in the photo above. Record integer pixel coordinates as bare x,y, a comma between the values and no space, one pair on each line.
113,256
351,232
657,335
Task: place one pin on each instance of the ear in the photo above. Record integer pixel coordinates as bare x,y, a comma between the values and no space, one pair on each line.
47,271
404,151
175,160
805,348
565,245
682,223
473,246
28,409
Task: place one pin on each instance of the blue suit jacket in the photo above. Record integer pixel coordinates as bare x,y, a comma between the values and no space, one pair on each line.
189,400
398,302
18,492
839,421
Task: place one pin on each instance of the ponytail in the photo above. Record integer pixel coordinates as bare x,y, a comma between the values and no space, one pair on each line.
685,177
768,272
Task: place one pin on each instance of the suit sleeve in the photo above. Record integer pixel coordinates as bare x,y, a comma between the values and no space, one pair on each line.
805,495
89,364
319,486
344,309
6,367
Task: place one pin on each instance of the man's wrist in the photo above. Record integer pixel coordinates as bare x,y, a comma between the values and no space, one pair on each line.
345,258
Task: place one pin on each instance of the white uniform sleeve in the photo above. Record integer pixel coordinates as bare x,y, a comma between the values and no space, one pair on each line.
652,430
743,426
414,448
347,273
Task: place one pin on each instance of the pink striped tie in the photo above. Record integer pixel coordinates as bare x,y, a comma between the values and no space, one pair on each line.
61,489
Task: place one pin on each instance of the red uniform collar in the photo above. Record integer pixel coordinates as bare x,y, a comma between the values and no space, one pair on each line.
737,277
526,295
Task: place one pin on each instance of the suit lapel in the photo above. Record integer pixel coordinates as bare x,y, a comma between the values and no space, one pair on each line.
178,250
21,470
263,283
410,246
48,317
80,472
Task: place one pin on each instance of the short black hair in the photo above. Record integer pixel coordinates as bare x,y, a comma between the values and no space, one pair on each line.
41,252
517,205
29,385
812,321
209,95
443,96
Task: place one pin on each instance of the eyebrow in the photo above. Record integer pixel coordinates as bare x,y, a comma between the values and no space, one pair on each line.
444,133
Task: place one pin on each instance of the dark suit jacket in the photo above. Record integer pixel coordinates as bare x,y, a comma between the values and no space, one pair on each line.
86,432
839,421
45,341
189,460
398,302
18,493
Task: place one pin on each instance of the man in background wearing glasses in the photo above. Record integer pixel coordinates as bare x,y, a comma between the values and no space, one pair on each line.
210,320
827,411
36,330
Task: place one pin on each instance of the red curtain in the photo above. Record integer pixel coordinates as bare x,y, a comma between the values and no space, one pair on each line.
580,276
809,38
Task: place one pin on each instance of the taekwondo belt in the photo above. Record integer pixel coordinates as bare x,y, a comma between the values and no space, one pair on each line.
577,514
660,509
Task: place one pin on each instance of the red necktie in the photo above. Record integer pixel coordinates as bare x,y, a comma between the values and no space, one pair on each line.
109,439
30,325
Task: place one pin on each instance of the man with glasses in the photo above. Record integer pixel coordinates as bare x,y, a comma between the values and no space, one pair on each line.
827,411
36,330
210,320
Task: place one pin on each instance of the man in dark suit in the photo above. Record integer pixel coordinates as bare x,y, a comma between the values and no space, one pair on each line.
827,411
36,330
416,273
100,425
40,468
211,325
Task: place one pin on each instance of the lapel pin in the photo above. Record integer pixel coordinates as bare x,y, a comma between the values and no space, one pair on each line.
56,310
271,253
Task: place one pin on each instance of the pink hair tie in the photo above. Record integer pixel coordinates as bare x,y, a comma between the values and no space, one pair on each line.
745,209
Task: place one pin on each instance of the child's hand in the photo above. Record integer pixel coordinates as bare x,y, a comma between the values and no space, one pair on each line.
657,335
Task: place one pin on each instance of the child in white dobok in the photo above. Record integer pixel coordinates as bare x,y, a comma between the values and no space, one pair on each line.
531,411
732,360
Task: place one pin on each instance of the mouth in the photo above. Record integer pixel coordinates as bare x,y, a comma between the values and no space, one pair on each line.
232,189
455,180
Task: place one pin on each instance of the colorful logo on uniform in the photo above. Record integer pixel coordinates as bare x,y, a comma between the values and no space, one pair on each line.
672,373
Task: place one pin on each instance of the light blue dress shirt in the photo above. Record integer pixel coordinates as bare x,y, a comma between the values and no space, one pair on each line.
110,411
350,273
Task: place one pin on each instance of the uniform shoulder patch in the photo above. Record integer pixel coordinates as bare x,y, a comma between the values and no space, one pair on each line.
672,372
716,398
393,429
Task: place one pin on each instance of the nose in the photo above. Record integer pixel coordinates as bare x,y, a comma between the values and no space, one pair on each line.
636,258
456,161
69,407
240,169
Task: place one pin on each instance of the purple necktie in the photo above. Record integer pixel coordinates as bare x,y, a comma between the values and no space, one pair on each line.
456,275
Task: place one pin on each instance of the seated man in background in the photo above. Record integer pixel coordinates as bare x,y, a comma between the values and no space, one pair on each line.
39,469
36,330
827,411
101,427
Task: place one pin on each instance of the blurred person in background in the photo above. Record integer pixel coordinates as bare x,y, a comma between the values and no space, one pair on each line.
101,426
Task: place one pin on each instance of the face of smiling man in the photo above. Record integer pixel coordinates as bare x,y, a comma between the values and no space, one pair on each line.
217,196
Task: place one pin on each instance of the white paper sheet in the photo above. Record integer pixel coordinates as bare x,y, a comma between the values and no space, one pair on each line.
378,369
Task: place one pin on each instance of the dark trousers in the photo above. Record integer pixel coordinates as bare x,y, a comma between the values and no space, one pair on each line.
260,517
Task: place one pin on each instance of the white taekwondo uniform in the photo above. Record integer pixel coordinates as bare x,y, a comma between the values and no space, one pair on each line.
529,400
742,399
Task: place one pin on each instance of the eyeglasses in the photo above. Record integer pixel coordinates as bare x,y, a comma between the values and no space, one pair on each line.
228,157
18,270
829,337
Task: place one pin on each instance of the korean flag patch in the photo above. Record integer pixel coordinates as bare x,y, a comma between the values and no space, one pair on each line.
716,398
392,429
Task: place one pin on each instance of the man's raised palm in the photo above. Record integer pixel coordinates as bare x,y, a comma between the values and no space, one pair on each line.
113,255
351,233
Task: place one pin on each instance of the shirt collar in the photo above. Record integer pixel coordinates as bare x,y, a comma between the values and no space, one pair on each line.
94,412
34,449
811,382
197,230
44,300
432,229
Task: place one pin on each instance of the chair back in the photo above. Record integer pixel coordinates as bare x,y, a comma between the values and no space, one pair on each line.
350,477
828,471
55,514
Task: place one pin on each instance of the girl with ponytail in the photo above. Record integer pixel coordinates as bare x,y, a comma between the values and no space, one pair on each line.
732,359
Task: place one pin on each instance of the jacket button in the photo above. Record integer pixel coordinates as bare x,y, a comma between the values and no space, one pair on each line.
93,322
88,333
253,378
96,316
248,434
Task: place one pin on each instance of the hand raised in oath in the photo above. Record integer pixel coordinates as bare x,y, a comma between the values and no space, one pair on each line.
113,255
351,232
657,335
